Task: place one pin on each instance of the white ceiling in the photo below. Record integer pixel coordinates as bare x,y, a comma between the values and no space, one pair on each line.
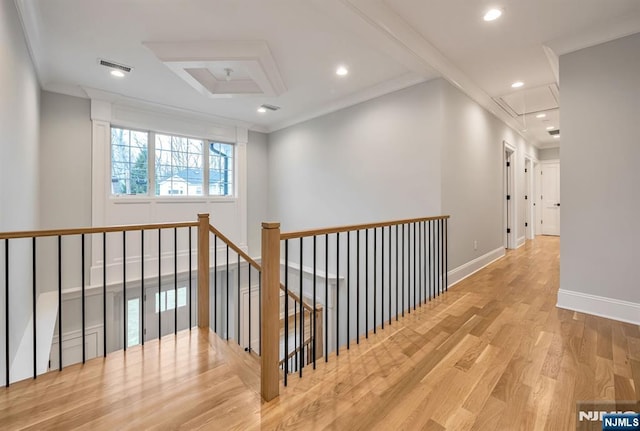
386,44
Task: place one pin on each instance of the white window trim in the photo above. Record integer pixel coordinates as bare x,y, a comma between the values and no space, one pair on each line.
151,170
227,213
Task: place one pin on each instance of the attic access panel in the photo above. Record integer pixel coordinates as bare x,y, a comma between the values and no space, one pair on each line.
223,69
530,100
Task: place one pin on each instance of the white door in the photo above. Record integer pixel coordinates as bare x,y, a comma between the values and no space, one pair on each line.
550,197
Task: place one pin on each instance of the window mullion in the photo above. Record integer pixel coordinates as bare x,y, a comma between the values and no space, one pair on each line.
205,164
151,163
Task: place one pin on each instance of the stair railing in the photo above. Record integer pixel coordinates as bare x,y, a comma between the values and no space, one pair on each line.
364,276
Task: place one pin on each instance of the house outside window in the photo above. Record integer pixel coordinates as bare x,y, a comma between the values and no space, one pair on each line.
179,164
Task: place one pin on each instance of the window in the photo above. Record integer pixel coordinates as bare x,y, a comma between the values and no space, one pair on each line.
220,169
133,322
166,300
129,162
179,164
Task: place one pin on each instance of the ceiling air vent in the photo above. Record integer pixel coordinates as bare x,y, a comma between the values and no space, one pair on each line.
554,132
113,65
270,107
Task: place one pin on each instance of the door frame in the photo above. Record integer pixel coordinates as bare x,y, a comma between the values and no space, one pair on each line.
531,166
509,187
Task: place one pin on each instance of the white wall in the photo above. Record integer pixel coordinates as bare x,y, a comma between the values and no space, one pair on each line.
376,161
425,150
472,177
599,179
257,189
549,154
19,107
65,162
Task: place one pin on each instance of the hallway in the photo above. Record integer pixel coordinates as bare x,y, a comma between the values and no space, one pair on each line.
493,353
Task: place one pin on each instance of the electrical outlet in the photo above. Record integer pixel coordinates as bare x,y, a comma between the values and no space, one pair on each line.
475,244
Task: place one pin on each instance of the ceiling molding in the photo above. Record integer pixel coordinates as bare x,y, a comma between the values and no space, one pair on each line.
115,98
31,26
378,90
379,14
597,34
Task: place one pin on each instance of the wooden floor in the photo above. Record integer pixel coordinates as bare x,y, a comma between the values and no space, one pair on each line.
493,353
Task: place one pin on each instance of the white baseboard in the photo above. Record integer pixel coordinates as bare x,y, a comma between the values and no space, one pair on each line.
610,308
521,242
463,271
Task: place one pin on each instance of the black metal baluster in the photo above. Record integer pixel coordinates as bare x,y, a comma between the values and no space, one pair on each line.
301,310
84,353
397,272
84,349
409,268
419,263
104,294
348,288
389,275
175,280
403,246
382,276
358,287
423,257
437,246
337,293
286,310
375,280
249,290
366,283
124,285
415,271
295,335
33,285
444,287
439,267
227,299
315,318
6,310
446,254
160,284
59,302
326,297
260,311
142,295
190,280
238,300
215,283
429,260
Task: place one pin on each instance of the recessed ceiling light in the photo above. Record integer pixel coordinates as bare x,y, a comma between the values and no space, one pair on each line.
262,109
541,115
342,71
517,84
117,73
492,14
550,127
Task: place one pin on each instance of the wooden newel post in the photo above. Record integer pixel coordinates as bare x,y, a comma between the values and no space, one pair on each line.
203,270
269,354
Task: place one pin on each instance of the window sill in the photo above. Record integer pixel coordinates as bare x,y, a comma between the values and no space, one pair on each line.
124,200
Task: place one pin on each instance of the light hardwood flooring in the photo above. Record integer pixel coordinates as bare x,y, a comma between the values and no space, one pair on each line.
493,353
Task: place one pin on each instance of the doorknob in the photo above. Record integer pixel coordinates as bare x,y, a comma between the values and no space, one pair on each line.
557,204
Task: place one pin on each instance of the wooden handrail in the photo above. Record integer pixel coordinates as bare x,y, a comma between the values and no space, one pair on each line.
297,350
91,230
235,248
331,230
297,299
